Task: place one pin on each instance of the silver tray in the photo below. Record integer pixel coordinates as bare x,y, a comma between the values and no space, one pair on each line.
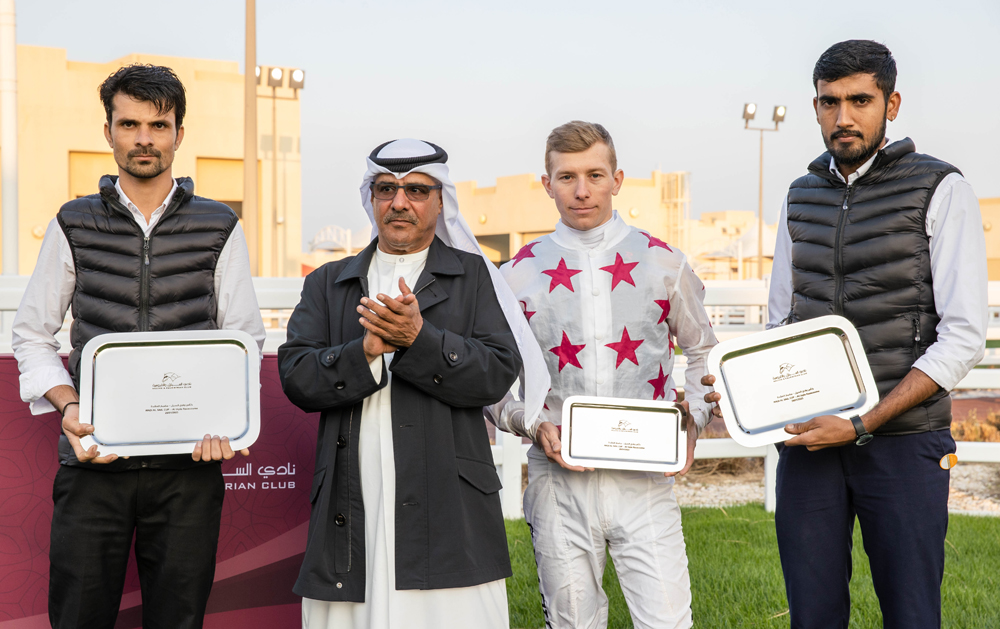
161,392
791,374
624,434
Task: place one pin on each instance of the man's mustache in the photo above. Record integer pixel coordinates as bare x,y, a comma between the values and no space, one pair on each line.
846,133
145,152
399,216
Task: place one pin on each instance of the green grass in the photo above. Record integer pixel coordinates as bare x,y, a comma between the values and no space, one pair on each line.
736,576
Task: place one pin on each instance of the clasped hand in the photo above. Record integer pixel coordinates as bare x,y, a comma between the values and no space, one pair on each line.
392,324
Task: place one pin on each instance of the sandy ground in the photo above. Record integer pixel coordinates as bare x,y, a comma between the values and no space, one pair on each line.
975,488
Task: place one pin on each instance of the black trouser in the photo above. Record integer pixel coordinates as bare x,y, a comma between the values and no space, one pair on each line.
175,515
899,493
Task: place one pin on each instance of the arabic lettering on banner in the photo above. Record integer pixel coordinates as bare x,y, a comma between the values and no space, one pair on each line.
265,516
243,478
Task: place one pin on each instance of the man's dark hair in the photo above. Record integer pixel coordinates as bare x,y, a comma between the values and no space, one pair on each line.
144,82
857,56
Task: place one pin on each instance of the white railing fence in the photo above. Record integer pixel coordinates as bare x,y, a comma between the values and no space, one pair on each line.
736,308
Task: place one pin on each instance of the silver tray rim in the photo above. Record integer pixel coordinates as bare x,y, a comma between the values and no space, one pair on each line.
170,338
857,357
624,404
835,330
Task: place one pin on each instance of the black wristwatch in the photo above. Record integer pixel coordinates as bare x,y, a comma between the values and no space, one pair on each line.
859,428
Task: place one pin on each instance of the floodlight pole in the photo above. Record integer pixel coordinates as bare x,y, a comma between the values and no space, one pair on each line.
277,221
251,218
760,200
760,210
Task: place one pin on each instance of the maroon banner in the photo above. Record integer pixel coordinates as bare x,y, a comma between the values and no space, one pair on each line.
264,518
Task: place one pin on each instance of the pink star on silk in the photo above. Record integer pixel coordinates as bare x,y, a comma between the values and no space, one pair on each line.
527,313
561,275
524,252
620,271
567,352
662,303
625,348
546,406
659,385
655,242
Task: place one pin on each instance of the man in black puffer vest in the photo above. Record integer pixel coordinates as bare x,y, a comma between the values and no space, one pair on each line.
893,241
144,254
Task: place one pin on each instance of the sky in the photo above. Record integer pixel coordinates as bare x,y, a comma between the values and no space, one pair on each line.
488,81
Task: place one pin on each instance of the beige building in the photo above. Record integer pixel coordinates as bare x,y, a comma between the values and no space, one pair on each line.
62,151
517,210
990,209
723,245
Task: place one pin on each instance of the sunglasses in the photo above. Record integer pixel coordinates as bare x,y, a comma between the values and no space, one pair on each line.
386,191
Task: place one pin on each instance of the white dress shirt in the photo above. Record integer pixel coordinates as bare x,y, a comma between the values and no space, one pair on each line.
50,291
958,271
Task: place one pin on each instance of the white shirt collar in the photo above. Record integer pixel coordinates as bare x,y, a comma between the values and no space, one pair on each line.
407,258
599,238
859,172
123,198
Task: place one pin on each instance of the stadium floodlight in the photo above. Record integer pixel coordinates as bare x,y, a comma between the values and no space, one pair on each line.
749,111
275,78
297,80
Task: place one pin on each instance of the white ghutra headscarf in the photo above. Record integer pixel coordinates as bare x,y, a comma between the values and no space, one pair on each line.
402,157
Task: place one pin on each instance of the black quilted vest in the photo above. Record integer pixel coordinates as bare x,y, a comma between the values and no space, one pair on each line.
862,252
127,282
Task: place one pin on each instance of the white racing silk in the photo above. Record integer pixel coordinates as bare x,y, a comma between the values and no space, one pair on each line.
606,314
455,232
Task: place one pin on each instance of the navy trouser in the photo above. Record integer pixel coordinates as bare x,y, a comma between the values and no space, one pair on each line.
175,515
899,492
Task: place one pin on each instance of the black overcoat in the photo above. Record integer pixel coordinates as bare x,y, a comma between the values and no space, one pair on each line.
449,524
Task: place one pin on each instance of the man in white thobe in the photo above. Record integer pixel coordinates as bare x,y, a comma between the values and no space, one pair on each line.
406,528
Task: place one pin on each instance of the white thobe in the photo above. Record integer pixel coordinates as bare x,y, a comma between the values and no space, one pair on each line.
480,606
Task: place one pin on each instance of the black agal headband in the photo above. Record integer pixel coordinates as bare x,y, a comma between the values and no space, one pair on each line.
403,164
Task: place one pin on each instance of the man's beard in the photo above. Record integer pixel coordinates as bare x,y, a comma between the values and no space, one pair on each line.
852,156
144,171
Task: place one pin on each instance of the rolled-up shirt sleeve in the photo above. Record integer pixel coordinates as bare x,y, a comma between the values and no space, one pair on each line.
689,322
40,317
958,269
779,298
238,309
508,415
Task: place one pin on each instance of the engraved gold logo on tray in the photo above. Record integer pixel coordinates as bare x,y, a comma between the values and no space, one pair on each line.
787,371
170,381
